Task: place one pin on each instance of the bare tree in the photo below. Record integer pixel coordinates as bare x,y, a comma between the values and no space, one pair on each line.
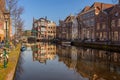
11,5
15,13
20,25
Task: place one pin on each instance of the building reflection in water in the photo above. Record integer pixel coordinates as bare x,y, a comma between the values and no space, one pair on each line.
43,52
91,64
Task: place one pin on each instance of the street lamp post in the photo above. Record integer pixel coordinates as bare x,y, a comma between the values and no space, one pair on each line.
6,17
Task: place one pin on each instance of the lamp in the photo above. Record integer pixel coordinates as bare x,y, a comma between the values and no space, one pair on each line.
6,18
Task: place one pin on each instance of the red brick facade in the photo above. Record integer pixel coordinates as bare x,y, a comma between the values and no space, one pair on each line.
87,20
108,25
44,29
98,22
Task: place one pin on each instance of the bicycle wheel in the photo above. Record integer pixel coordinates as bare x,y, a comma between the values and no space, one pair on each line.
4,59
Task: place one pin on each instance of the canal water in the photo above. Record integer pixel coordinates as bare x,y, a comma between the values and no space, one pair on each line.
46,61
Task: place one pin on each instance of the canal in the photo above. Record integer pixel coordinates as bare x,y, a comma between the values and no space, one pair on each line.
46,61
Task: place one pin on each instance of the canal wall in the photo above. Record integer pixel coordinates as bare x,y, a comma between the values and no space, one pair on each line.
107,47
13,60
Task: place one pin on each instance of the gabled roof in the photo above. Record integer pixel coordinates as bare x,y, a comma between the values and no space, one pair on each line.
98,5
69,18
101,6
86,8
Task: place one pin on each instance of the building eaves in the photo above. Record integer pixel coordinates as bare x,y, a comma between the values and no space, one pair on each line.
108,10
86,8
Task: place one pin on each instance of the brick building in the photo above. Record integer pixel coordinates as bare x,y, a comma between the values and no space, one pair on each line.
108,25
87,20
68,28
63,30
58,32
114,16
51,30
3,23
43,29
2,10
68,24
40,28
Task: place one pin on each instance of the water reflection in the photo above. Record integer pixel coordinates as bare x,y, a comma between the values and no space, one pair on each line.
68,63
43,52
92,64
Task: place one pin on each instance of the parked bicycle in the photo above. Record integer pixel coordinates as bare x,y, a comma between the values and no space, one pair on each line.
3,56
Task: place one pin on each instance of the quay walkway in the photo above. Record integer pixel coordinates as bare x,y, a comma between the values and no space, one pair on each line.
8,72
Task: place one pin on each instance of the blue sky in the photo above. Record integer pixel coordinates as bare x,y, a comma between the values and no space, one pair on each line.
53,9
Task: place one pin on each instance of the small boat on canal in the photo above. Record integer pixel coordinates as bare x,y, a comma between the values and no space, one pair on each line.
23,48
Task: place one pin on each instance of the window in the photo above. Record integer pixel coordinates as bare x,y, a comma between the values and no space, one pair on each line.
35,25
97,34
98,26
42,24
116,36
119,22
87,22
113,23
101,35
103,26
104,35
38,23
92,22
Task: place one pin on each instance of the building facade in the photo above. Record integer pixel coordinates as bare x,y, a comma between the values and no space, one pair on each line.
43,29
114,21
108,25
51,30
68,28
68,24
74,29
58,32
2,22
62,30
87,20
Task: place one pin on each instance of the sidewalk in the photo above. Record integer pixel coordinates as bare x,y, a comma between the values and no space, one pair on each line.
8,73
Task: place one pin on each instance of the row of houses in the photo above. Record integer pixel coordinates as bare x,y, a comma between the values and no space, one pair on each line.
44,29
98,22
